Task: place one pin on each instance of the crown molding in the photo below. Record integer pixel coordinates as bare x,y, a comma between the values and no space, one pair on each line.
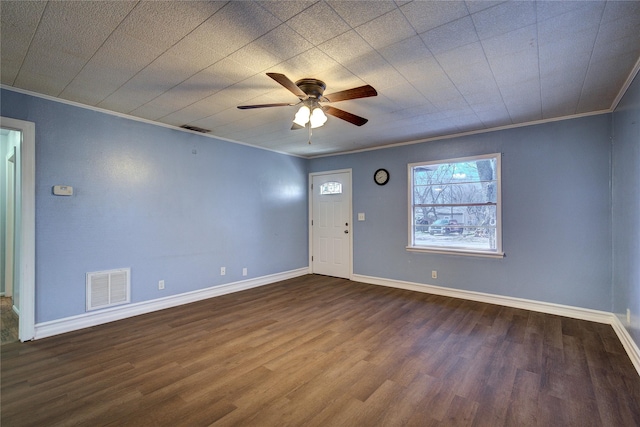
625,86
137,119
469,133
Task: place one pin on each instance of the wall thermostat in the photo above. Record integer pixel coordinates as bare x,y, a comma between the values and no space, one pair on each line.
63,190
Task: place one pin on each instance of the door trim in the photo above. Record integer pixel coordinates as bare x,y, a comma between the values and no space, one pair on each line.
26,270
310,193
8,269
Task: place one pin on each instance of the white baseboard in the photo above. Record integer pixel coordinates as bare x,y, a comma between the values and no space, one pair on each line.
543,307
627,341
86,320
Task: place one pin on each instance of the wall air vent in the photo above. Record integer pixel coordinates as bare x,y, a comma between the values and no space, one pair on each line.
195,128
108,288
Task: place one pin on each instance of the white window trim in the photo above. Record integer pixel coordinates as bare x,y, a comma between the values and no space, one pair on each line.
498,253
454,251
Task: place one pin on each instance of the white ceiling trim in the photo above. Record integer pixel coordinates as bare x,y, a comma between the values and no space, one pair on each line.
625,86
382,147
138,119
470,133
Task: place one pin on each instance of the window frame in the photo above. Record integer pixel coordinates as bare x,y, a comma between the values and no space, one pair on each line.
412,247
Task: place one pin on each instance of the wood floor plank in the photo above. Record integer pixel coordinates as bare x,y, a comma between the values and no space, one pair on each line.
523,402
461,412
407,401
321,351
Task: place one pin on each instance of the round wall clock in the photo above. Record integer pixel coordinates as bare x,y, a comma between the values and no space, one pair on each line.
381,177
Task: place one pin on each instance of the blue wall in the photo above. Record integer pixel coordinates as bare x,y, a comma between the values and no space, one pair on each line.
626,208
556,214
177,206
171,205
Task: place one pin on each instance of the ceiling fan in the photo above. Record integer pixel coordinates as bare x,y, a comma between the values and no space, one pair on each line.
310,93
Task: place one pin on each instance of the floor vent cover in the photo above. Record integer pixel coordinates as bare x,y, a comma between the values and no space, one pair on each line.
107,288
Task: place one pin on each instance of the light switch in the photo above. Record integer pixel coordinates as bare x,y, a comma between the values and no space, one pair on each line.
63,190
360,216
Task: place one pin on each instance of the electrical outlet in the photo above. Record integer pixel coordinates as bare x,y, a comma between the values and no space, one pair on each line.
161,284
244,271
223,271
434,274
628,316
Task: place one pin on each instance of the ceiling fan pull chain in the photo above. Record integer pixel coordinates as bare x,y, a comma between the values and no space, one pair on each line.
309,124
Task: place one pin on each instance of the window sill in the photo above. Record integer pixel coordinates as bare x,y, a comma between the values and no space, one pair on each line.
456,252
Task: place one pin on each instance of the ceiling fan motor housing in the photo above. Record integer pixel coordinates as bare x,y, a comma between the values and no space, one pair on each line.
314,88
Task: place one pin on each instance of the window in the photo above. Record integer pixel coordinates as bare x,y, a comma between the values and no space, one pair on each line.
331,188
454,206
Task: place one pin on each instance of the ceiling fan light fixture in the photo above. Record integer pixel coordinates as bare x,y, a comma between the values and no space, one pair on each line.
318,118
302,116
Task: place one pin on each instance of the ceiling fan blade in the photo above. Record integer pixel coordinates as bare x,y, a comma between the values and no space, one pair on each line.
341,114
284,81
296,126
248,107
356,92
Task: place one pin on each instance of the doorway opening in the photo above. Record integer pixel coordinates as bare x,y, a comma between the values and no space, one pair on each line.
10,147
17,229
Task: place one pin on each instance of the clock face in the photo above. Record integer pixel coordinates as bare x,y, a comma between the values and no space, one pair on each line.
381,177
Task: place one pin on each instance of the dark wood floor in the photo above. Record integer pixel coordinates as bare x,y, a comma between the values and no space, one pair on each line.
319,351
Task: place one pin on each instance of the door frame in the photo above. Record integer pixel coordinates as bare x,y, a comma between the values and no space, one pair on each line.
311,176
27,232
8,269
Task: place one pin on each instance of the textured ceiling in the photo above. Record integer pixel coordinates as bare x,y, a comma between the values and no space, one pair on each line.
440,67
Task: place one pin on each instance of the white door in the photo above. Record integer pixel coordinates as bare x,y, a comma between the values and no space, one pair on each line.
331,224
